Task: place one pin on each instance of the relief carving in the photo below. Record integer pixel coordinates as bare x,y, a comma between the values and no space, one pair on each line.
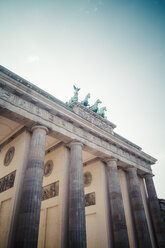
9,156
92,117
87,178
51,117
22,103
48,168
7,182
38,111
50,191
78,109
90,199
4,94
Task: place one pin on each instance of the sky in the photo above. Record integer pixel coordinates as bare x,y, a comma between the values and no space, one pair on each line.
113,49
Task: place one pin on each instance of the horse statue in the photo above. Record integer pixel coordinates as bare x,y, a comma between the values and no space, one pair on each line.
101,112
75,96
85,101
94,107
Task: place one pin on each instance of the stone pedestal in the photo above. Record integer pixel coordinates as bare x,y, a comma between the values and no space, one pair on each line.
77,226
29,212
157,218
117,208
141,226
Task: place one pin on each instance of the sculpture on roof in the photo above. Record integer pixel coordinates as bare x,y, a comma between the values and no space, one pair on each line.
94,107
85,101
75,96
101,112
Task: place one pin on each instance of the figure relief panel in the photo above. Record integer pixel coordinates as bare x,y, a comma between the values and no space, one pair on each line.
7,182
48,168
87,178
50,191
90,199
9,156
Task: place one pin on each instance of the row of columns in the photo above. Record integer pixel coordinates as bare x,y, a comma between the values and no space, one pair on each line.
27,225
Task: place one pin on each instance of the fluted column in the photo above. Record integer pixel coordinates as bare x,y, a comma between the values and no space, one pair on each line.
29,212
77,226
141,226
157,218
116,203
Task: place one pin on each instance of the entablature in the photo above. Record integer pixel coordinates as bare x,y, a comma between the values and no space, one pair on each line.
66,123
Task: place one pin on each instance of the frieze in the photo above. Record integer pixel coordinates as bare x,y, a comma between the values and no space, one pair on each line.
50,191
6,95
25,105
33,109
7,182
90,199
92,117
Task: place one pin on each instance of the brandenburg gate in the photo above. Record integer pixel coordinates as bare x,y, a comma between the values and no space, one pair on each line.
67,179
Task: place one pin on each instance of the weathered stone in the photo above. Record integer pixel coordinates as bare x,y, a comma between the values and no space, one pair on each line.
26,104
50,191
29,213
90,199
87,178
155,210
77,226
7,182
104,144
143,237
9,156
117,208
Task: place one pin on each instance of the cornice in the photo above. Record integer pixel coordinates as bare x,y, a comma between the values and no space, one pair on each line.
78,106
39,105
31,86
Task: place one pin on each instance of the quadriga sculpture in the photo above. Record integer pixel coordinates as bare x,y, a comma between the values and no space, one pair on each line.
75,96
85,101
101,112
95,106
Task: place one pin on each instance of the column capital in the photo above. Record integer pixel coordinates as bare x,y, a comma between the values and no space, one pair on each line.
148,175
110,159
75,142
111,162
39,127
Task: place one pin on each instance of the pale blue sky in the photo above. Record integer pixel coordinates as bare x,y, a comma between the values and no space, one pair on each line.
113,49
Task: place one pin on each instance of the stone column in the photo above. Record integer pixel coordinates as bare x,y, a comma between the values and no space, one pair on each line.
29,212
157,218
117,209
141,226
77,226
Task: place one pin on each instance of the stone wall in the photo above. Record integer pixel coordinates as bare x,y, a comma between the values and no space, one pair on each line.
10,178
52,232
